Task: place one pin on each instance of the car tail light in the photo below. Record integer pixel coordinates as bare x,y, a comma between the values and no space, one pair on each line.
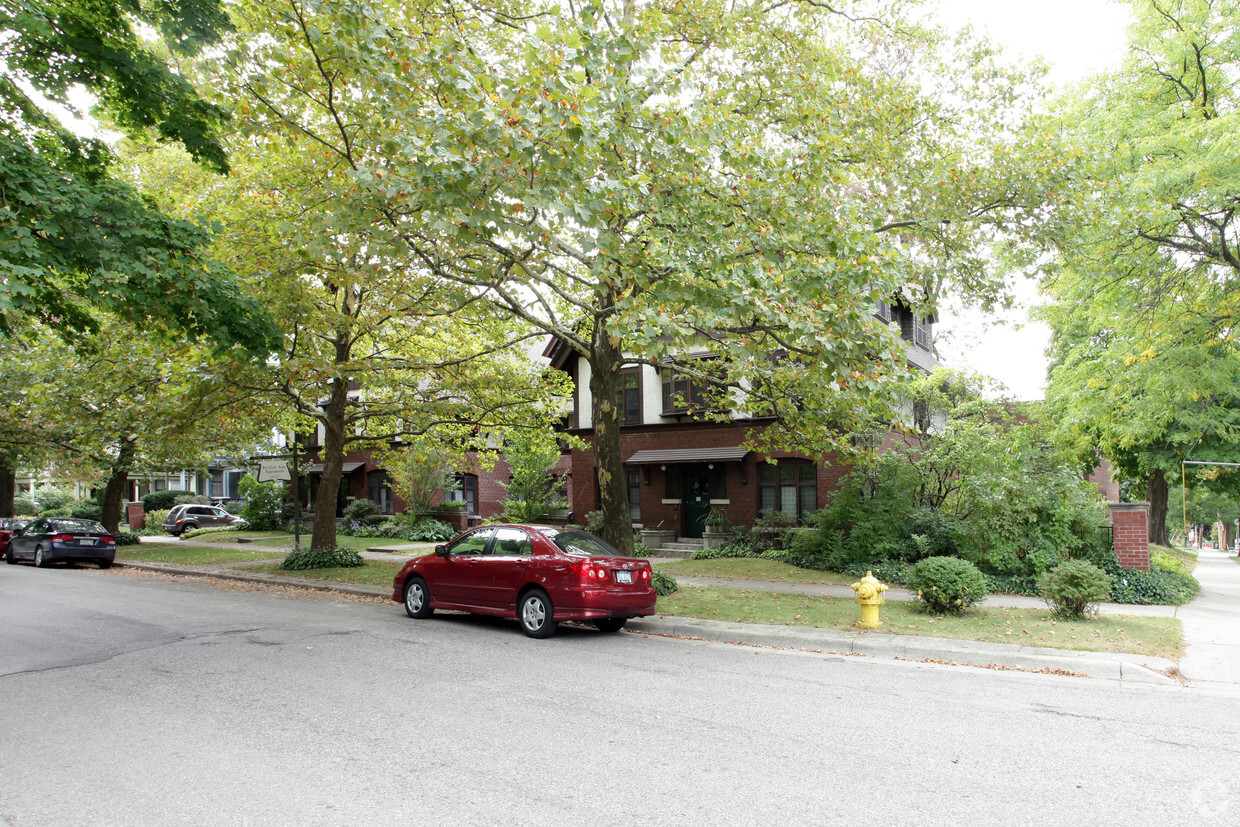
108,538
61,538
645,574
590,570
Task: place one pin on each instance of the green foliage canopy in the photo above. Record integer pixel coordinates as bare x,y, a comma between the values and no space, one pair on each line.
73,236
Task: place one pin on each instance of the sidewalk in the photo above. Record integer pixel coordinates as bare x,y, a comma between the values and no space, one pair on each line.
1211,626
1212,622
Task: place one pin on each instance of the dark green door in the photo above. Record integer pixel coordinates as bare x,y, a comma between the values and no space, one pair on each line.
696,498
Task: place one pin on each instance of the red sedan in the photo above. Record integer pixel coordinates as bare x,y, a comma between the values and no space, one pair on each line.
539,575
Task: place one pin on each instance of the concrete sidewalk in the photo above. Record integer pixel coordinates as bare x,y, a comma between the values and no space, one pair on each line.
1212,622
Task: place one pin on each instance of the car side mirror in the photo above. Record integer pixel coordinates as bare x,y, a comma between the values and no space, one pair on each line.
441,551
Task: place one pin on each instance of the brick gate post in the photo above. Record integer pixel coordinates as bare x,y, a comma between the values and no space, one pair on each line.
1131,533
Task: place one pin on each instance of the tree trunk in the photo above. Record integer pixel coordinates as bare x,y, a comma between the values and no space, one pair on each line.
114,491
8,486
605,365
1156,495
324,533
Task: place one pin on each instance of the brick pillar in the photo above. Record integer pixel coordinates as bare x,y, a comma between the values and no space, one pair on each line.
135,515
1131,532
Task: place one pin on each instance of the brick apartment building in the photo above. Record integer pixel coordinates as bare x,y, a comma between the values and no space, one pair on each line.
679,470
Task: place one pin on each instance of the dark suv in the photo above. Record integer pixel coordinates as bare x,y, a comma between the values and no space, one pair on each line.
189,516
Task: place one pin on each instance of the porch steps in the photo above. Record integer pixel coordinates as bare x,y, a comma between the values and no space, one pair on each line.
683,547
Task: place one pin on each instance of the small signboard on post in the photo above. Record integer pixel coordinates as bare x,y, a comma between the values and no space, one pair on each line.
273,469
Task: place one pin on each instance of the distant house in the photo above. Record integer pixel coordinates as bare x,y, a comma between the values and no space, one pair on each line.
679,469
480,491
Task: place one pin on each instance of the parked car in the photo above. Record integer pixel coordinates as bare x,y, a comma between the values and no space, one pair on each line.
50,540
539,575
189,516
8,527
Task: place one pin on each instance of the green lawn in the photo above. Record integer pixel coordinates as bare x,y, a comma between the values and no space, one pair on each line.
278,539
1155,636
372,573
190,555
752,568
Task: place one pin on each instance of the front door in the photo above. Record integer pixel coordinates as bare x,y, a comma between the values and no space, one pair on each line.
697,499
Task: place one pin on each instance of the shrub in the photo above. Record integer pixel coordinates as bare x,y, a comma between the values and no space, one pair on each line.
946,585
1156,586
329,558
23,506
1074,587
1012,584
191,499
86,510
640,549
163,500
430,530
52,498
126,538
155,519
263,502
664,584
360,509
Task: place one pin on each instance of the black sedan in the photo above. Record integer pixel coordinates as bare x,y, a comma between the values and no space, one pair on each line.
50,540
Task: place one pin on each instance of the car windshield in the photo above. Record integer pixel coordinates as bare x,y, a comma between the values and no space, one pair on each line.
580,543
79,525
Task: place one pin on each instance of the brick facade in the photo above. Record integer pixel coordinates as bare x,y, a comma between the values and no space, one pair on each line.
1130,524
491,492
739,502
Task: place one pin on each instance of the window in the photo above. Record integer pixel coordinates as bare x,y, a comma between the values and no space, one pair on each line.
883,311
630,398
467,490
511,542
380,490
682,393
475,542
634,478
790,487
921,332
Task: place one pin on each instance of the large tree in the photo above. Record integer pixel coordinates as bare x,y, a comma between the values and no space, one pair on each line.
119,402
649,181
1145,285
375,354
74,238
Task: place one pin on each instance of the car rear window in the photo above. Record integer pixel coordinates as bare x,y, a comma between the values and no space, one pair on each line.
79,525
580,543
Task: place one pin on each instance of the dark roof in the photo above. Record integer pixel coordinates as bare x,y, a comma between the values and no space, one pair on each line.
666,456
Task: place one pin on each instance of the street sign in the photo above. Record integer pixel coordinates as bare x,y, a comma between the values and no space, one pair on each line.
273,469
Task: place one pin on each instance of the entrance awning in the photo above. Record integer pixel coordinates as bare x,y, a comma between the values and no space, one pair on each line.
347,468
669,456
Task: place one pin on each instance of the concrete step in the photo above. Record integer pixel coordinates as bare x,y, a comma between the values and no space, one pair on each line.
683,547
678,553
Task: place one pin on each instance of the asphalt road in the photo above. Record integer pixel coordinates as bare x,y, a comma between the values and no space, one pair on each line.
150,701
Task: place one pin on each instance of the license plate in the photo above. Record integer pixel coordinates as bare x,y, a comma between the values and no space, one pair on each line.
624,577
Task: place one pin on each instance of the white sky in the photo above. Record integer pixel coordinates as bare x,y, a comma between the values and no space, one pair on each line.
1076,38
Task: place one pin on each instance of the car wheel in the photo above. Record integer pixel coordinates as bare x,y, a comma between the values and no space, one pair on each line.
418,598
535,614
188,527
610,624
39,559
104,564
9,557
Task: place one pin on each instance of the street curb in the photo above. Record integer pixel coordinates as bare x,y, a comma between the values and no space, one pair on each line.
1002,656
1115,666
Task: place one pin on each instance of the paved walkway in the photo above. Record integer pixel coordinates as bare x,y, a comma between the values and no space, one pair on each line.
1211,624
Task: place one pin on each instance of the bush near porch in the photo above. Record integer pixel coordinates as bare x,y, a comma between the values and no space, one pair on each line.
974,483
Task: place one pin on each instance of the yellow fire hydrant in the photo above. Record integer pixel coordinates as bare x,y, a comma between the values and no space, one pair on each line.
870,595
